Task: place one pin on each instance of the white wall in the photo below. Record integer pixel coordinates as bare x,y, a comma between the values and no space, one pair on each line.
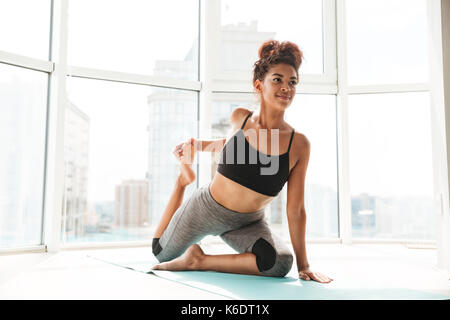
443,221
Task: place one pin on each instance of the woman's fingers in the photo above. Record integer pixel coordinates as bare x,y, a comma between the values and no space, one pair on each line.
190,142
185,150
316,276
320,277
178,151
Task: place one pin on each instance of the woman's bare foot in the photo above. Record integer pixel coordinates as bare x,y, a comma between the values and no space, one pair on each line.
189,260
187,175
186,156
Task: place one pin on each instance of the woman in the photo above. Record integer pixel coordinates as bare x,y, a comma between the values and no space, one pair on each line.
232,204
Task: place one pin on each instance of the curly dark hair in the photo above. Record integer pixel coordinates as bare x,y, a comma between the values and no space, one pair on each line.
273,52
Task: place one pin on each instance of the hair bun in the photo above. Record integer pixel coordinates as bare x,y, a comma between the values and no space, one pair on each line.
268,48
275,48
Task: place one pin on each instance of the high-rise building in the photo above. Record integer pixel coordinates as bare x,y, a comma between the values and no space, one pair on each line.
76,216
131,204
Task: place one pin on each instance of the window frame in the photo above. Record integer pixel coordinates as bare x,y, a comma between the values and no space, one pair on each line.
344,90
332,81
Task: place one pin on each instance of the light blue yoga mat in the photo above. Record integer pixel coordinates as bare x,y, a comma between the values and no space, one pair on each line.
248,287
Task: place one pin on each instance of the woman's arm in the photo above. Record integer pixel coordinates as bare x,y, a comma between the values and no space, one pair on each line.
216,145
213,145
296,214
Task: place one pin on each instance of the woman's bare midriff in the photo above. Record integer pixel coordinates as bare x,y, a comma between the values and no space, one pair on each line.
224,191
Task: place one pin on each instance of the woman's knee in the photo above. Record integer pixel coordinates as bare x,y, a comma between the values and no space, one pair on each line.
282,266
156,248
270,261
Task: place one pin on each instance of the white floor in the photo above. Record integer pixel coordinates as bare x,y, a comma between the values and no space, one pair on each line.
73,275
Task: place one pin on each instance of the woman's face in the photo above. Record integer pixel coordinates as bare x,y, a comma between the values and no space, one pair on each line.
278,87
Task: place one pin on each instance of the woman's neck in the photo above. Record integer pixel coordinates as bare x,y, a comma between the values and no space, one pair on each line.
270,119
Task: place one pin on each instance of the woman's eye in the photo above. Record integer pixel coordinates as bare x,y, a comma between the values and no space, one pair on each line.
294,83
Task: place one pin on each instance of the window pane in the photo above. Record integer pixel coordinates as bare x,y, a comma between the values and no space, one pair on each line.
145,37
245,25
387,41
25,27
391,178
23,108
120,170
315,117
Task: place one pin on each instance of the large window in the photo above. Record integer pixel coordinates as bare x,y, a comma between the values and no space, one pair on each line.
391,166
315,116
387,41
158,38
23,110
135,78
25,27
24,74
119,166
246,24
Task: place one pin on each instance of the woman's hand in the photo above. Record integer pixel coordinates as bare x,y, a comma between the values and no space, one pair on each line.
185,151
307,274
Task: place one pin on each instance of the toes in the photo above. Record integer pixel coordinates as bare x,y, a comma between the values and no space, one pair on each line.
161,266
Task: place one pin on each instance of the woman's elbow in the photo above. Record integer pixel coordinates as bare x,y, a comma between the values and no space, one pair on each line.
297,213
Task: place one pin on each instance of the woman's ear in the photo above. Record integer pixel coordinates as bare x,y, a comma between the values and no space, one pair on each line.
257,86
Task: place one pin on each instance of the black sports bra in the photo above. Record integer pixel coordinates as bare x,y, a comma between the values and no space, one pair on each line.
267,177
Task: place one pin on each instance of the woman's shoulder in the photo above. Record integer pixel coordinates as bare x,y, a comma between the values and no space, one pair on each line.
299,140
238,115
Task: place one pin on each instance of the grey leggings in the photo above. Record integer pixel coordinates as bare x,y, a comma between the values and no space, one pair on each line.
201,215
